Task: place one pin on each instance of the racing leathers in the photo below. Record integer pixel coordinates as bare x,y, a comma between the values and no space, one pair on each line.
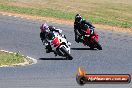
44,35
79,28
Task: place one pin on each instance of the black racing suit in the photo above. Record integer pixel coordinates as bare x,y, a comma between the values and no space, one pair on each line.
79,29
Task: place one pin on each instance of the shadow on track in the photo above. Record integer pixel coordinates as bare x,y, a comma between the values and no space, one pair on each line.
82,49
54,59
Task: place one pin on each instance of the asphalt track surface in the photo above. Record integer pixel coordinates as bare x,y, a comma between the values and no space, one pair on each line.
17,34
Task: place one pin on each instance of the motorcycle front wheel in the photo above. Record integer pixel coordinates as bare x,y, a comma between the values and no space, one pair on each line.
68,56
98,46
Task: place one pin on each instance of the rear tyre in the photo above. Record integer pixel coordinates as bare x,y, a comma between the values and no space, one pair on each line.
68,56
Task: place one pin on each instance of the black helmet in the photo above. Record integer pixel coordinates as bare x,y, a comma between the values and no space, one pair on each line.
77,15
78,18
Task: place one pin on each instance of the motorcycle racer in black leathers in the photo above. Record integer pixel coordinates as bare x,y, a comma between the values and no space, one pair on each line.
79,26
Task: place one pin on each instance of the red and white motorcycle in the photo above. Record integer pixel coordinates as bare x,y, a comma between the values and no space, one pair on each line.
59,44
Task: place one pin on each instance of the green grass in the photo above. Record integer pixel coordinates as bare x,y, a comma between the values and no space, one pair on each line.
9,59
37,11
110,12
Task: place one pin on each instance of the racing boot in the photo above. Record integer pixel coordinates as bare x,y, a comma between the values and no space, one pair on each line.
80,39
48,49
55,53
76,38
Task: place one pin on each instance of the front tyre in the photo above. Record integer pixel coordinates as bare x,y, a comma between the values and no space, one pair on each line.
98,46
68,56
